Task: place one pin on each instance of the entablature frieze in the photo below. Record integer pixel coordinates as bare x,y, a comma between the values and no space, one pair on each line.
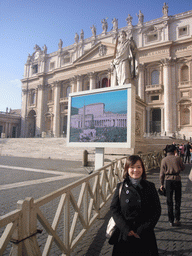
183,50
153,54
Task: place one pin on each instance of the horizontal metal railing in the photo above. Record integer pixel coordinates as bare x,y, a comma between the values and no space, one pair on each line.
77,206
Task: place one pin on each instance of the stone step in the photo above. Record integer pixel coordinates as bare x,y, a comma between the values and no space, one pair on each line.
56,148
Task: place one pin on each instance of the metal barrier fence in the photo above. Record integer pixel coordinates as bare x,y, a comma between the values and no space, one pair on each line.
77,208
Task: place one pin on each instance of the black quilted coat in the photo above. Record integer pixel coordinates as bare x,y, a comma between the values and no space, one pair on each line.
138,209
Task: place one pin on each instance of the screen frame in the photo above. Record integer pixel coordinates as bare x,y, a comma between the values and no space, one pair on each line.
130,118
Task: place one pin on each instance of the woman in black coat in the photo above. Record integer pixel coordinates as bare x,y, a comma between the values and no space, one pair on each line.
136,212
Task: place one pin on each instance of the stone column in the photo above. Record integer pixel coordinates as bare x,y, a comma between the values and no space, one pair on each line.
148,120
92,80
24,113
141,85
113,77
174,96
56,117
109,77
162,122
6,129
72,83
167,97
39,119
179,115
79,83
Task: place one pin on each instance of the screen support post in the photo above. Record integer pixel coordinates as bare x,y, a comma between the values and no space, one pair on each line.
99,158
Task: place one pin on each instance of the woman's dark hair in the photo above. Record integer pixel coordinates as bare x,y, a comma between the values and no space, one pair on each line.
130,162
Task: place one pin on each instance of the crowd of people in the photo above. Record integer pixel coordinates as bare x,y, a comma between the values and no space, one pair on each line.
182,150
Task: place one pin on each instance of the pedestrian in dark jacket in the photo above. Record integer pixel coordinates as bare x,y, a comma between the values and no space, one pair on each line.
171,166
187,148
136,212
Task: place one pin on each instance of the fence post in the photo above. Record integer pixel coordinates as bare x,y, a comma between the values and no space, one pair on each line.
24,240
85,158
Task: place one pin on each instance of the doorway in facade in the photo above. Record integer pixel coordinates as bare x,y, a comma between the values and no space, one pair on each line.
31,123
156,120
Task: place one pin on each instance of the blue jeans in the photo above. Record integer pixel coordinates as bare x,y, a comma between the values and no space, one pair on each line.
173,186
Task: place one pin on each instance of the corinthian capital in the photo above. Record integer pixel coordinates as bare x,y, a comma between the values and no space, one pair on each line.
141,67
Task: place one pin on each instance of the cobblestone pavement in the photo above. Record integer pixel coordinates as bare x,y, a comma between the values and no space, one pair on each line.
26,177
172,241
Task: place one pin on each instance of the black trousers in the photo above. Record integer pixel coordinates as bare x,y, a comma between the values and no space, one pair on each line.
173,187
187,159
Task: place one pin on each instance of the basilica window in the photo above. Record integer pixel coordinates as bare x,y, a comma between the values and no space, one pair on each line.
184,73
152,37
50,95
183,31
33,98
62,91
66,59
154,97
35,69
155,77
52,65
185,116
105,82
68,90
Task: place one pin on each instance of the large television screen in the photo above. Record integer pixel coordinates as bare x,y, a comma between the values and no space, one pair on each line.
102,117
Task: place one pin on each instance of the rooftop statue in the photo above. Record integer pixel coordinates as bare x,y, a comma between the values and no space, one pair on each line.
37,48
124,59
76,38
115,24
93,29
129,20
140,18
45,49
82,35
60,44
165,10
104,25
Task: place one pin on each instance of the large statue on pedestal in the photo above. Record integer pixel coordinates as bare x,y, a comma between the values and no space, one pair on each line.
123,64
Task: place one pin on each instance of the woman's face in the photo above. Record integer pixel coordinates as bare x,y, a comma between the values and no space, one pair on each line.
135,171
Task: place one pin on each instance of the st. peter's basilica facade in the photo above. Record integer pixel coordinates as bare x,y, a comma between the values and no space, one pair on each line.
162,76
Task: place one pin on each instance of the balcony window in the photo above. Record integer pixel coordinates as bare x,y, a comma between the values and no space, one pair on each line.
155,77
68,91
184,73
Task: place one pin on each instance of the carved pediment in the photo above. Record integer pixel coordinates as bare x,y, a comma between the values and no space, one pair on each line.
100,50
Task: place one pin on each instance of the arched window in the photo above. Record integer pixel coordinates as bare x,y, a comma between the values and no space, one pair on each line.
155,77
184,73
105,82
33,98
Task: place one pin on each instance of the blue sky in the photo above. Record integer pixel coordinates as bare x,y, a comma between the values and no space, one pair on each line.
25,23
115,101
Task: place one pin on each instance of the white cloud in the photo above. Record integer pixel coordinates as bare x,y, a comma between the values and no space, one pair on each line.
16,82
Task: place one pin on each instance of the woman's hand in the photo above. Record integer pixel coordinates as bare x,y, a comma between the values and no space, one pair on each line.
132,233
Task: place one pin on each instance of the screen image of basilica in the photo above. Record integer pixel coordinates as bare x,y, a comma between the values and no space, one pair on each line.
104,121
154,56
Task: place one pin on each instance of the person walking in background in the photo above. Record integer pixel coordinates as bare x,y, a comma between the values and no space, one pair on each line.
187,148
181,150
171,166
191,154
136,211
